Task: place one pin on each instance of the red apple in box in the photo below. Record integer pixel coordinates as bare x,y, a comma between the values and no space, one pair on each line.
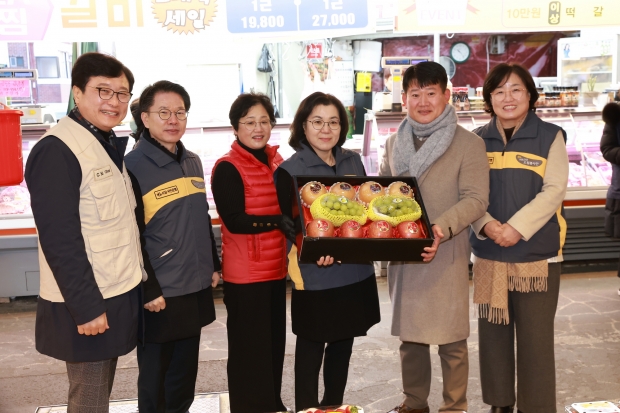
409,229
380,229
351,229
320,228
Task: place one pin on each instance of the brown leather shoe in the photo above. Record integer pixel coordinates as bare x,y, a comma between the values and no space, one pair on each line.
404,409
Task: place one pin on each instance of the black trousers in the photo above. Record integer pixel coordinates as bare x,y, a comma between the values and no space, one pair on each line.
167,375
532,317
256,329
308,360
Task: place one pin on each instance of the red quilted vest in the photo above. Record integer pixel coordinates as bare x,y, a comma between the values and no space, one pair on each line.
250,258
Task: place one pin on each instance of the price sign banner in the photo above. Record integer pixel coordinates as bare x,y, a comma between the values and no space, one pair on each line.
254,16
15,88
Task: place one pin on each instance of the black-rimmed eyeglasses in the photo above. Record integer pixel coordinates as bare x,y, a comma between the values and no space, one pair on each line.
107,94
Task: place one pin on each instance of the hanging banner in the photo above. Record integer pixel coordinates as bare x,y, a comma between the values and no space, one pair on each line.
145,20
484,16
103,20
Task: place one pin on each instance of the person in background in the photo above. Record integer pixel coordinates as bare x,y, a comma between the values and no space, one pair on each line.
610,147
431,298
135,124
517,246
173,217
253,257
89,245
330,304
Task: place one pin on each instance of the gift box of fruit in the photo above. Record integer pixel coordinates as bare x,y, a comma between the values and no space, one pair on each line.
360,219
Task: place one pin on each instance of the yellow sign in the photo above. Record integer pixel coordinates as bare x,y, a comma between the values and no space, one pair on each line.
476,16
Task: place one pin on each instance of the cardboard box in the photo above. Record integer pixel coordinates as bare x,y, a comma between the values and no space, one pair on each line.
360,249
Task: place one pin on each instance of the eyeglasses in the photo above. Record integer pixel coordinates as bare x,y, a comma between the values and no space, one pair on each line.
165,114
318,124
516,93
107,94
251,124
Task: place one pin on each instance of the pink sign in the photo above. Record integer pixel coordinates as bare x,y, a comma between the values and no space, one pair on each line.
15,88
24,19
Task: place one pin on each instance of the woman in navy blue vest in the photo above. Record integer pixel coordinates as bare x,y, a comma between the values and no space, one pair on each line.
330,304
517,246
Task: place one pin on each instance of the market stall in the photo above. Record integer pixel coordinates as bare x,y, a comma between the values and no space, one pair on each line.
327,46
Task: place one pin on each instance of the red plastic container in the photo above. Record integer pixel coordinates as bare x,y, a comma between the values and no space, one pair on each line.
11,158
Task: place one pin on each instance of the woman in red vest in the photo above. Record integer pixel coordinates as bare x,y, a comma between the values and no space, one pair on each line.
253,258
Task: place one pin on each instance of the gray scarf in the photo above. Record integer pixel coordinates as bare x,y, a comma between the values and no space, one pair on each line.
439,132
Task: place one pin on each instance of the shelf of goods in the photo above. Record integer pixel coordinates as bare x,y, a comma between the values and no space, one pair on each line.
589,175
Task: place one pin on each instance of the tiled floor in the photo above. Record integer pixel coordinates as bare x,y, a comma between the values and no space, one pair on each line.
587,356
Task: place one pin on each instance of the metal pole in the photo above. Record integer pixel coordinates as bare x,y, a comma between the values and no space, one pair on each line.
436,47
280,88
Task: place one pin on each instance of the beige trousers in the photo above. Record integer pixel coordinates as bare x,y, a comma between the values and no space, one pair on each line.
416,371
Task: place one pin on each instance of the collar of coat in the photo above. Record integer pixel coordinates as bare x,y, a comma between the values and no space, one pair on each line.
157,153
310,157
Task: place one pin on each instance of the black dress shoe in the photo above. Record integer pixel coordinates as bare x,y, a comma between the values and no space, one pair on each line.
505,409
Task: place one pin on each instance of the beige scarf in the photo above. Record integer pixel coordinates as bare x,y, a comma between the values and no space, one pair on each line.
493,280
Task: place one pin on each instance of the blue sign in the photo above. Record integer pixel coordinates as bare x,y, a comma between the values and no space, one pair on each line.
259,16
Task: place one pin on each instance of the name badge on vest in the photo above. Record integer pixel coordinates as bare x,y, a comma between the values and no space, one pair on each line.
103,173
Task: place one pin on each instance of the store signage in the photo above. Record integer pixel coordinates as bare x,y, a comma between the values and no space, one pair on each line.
262,16
96,20
15,88
475,16
24,19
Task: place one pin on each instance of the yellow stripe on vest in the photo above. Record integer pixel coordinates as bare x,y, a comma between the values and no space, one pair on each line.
563,228
293,268
170,191
517,160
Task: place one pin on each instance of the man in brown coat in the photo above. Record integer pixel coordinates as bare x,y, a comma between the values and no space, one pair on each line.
431,299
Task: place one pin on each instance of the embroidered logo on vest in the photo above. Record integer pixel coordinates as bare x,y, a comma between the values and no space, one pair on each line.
528,162
162,193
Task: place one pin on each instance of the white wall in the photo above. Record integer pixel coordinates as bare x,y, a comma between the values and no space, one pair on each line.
181,61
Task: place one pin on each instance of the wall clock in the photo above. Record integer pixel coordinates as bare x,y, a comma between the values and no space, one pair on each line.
460,52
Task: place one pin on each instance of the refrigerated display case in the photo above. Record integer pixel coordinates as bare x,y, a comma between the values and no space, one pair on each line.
589,176
584,60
